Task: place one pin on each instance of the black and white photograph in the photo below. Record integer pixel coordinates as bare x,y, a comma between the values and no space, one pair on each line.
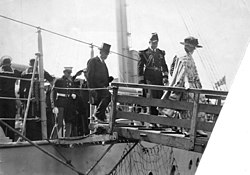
124,87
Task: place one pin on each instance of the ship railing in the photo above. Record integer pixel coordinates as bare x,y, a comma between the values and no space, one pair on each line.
193,124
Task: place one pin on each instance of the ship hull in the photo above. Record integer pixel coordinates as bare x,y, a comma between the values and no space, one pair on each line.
25,159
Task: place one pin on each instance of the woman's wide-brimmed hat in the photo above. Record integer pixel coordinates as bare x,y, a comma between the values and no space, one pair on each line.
191,41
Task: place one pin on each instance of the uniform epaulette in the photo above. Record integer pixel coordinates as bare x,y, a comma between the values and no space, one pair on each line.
162,51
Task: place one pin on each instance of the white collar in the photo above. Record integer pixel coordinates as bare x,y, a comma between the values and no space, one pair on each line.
101,59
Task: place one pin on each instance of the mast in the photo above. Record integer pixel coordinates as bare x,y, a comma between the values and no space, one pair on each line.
121,21
42,90
127,67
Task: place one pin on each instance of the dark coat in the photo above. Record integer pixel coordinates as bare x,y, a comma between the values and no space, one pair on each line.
25,85
97,73
7,85
149,60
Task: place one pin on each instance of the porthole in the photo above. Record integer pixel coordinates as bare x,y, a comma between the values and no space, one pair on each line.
190,164
197,161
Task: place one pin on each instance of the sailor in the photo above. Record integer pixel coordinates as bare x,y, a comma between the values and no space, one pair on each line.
33,127
62,100
152,68
98,77
82,103
7,89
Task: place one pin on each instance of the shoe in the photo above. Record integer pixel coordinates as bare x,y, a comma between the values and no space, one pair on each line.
100,121
201,133
165,111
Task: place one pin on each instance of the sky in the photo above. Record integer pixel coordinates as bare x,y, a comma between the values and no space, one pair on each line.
222,27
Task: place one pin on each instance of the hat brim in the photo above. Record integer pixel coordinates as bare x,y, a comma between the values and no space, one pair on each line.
197,46
154,41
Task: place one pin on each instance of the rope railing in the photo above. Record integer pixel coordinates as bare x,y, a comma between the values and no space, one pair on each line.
20,119
17,78
84,89
64,36
14,98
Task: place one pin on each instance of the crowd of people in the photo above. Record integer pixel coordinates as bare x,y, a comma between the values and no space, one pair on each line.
67,101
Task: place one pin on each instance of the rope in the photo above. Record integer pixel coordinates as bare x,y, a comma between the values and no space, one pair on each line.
107,150
29,97
61,35
84,89
19,119
17,78
123,157
41,149
13,98
65,158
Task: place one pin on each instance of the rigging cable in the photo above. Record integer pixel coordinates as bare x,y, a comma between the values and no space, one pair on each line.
212,64
187,28
204,57
41,149
61,35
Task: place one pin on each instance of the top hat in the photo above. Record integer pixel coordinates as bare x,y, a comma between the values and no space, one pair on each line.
68,69
105,47
5,60
154,38
191,41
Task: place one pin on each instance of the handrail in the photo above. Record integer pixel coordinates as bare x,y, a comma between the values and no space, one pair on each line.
169,88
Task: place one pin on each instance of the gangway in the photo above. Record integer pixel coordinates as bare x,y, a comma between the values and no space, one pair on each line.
158,135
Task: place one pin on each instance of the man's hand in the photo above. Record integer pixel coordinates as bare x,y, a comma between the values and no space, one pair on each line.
73,96
79,73
111,79
141,80
55,110
165,81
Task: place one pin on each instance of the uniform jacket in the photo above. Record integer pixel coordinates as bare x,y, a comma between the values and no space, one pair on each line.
25,85
97,73
152,59
59,100
7,85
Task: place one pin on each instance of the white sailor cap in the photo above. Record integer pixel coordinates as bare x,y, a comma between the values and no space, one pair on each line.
5,59
69,69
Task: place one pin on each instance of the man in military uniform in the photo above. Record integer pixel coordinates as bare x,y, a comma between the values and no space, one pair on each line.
7,89
62,100
152,68
98,77
33,128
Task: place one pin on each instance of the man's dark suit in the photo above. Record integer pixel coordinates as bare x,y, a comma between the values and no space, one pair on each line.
98,77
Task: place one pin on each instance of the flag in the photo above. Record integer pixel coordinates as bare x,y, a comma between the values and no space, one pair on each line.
222,81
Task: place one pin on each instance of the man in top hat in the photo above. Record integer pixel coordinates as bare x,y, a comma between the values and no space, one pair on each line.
152,68
184,74
98,77
7,89
62,100
33,128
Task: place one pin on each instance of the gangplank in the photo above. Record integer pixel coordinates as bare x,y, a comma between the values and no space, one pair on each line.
159,135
